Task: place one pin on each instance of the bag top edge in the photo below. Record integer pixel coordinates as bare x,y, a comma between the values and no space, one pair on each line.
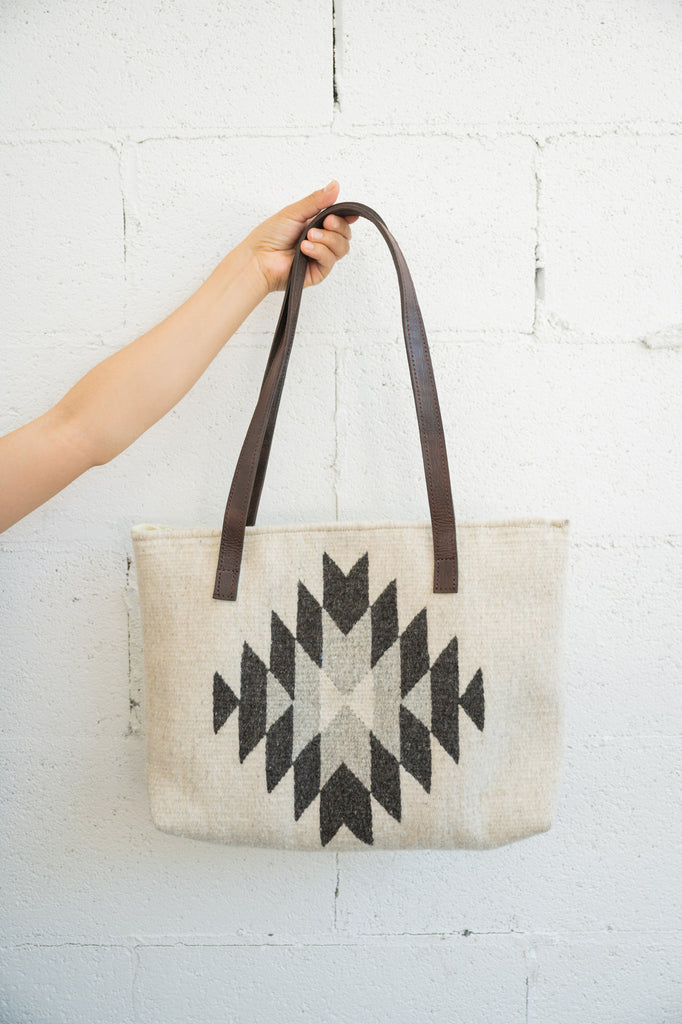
157,531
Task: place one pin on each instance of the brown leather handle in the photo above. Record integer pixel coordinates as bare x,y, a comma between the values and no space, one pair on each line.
249,474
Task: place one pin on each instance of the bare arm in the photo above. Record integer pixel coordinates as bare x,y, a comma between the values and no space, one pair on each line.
121,397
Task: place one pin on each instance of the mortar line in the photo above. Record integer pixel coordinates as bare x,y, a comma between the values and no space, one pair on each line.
133,985
664,937
125,236
132,703
336,890
537,249
136,134
336,434
130,680
335,89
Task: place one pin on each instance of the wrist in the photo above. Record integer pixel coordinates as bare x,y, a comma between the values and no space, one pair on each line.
251,269
241,269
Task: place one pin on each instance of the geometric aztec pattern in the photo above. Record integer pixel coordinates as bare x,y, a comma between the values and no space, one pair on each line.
345,701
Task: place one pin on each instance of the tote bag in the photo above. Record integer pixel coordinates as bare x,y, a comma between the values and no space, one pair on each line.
352,685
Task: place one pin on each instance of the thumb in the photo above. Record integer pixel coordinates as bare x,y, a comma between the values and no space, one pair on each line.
306,208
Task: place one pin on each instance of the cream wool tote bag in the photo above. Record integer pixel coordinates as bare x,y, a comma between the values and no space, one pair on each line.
366,685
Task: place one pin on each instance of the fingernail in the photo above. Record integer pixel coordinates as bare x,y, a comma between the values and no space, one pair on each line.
330,186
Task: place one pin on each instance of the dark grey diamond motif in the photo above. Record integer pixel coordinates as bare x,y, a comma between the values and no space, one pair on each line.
346,700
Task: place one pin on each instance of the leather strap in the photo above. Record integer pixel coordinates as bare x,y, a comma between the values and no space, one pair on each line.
249,474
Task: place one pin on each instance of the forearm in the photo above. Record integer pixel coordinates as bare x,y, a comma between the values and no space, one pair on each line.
121,397
37,460
126,393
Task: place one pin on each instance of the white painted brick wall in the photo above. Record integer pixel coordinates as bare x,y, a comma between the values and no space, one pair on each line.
528,159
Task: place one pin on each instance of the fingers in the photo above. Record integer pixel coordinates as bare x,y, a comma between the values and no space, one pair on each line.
336,223
312,204
330,243
323,256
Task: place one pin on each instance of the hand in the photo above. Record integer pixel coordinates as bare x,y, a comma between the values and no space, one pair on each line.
273,242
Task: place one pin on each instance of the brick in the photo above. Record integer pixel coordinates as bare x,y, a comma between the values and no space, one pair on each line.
623,978
593,870
62,257
491,64
66,983
622,638
610,229
82,862
65,640
400,979
539,430
192,65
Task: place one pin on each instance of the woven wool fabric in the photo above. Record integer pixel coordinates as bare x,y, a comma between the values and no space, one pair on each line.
338,703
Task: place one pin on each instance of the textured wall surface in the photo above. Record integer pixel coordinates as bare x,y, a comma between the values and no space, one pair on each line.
528,158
